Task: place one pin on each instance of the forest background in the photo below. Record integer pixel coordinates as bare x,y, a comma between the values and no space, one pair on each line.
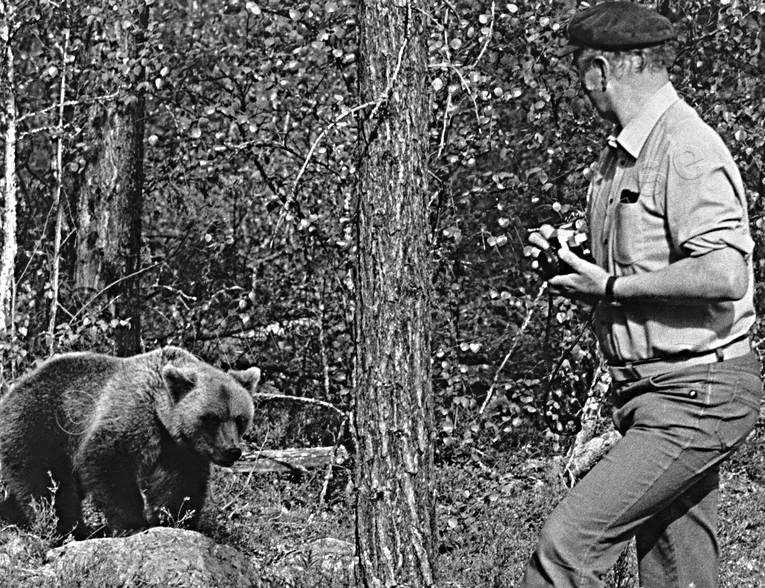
244,128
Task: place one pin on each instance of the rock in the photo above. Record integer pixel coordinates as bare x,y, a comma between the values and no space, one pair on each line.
583,456
157,557
167,557
20,554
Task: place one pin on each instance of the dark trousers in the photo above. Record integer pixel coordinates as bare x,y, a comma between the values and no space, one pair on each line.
659,483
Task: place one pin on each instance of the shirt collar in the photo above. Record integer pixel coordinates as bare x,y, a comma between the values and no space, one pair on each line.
633,136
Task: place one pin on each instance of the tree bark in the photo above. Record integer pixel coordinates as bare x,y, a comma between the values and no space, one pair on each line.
393,418
110,202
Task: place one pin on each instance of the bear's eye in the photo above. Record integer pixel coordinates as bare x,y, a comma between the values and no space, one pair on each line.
210,420
241,423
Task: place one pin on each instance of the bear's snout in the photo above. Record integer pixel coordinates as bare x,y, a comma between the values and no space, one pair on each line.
233,454
228,456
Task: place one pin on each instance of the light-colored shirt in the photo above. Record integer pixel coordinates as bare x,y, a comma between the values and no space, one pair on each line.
666,188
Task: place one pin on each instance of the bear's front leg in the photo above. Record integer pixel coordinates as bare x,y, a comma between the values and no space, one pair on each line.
111,479
69,509
175,491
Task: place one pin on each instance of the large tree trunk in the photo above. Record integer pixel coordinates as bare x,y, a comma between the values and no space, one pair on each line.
110,201
395,510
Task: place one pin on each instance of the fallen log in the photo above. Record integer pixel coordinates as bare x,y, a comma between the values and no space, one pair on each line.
290,460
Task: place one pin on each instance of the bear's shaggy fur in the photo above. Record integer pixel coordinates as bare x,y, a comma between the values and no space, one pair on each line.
137,434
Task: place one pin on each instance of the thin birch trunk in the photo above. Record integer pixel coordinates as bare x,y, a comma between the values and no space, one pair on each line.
56,261
8,256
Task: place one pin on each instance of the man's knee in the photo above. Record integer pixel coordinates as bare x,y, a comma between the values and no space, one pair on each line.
554,562
557,541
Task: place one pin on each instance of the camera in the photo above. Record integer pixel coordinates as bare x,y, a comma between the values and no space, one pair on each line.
572,236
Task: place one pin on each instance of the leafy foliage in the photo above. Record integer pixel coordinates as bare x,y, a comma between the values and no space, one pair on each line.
250,138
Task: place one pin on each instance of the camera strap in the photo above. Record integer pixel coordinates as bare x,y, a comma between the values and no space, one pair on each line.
548,361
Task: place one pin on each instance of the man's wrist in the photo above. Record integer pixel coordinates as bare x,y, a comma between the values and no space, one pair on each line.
609,290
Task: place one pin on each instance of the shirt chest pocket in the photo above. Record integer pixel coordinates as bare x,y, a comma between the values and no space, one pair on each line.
628,235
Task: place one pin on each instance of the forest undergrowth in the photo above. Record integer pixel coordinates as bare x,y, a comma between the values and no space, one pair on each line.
491,505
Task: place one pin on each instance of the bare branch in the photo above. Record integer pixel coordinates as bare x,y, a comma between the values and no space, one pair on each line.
272,396
36,130
376,103
442,140
101,98
518,336
488,37
321,136
106,288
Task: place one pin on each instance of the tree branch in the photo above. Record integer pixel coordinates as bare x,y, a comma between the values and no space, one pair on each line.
109,286
518,336
103,97
272,396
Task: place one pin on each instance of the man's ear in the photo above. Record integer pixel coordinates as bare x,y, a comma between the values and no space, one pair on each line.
179,381
248,378
638,61
597,74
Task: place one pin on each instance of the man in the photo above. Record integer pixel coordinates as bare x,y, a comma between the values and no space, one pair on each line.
673,283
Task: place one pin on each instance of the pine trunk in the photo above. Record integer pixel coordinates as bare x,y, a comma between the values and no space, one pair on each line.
395,510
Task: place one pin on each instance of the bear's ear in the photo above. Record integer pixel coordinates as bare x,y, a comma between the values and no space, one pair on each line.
179,381
248,378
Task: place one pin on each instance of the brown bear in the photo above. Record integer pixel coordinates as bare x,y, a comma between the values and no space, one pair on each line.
137,434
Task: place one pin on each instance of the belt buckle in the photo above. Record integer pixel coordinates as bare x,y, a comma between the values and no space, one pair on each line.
632,370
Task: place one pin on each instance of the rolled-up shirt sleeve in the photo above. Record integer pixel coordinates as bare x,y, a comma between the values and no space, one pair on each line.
704,210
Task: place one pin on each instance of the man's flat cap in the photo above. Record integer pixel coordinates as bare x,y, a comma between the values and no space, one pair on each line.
618,26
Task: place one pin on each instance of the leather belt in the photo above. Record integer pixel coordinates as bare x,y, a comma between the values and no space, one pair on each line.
632,371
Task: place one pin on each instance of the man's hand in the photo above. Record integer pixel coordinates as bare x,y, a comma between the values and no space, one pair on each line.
587,282
540,249
582,279
540,238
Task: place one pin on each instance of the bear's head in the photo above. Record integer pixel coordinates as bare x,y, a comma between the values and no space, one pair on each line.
210,409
